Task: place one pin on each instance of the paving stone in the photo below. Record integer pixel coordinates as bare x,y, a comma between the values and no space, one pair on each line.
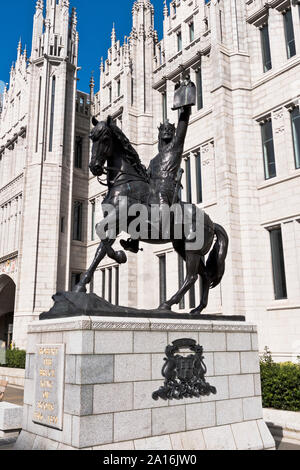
247,436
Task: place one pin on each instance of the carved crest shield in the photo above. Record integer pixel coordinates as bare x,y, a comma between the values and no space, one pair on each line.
184,374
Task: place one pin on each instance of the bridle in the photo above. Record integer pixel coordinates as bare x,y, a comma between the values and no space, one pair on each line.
106,169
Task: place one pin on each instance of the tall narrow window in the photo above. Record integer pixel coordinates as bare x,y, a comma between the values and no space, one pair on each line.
103,283
192,296
78,152
199,178
117,284
289,34
164,106
192,31
295,116
52,114
132,91
93,220
278,264
110,93
77,221
268,149
162,278
265,46
179,41
110,285
188,181
38,116
181,280
199,89
75,279
119,87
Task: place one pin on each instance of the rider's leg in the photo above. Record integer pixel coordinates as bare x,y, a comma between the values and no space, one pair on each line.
192,268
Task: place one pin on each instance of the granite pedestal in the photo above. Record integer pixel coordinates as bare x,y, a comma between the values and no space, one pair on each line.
89,385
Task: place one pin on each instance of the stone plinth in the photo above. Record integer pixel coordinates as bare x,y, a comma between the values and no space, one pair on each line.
111,368
10,420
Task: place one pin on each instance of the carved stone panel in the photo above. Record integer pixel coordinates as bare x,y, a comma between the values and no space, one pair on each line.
49,385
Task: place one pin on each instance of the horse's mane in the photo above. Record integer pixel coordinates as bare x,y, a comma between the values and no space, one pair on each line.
130,154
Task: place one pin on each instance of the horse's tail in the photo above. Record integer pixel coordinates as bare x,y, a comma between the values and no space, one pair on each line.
215,266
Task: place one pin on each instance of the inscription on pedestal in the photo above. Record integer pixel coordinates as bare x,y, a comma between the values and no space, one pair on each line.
49,385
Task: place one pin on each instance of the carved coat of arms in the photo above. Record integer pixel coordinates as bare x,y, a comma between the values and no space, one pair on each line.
184,375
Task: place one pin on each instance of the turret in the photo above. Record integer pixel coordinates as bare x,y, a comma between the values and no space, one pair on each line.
55,34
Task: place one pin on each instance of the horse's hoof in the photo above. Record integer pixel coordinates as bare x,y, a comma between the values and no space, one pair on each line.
197,311
121,257
79,288
165,306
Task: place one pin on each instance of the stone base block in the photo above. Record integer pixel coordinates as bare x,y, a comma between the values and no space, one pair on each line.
89,383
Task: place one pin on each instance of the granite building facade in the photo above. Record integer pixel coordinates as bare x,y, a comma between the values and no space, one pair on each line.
241,159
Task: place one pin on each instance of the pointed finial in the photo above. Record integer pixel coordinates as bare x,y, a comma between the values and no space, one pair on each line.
101,65
92,81
74,16
165,9
19,48
39,5
113,33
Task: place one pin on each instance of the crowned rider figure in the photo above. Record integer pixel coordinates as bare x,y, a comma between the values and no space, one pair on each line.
164,168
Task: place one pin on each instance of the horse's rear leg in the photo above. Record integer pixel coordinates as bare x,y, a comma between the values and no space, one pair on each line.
192,269
204,298
205,289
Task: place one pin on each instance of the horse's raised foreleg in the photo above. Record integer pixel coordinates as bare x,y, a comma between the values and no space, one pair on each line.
107,232
192,268
86,279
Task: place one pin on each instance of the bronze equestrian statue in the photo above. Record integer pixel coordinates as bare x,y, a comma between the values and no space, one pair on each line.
158,186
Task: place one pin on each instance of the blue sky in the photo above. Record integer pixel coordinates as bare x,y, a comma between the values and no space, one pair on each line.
95,19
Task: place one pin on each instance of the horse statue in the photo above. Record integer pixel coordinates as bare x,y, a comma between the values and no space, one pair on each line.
127,179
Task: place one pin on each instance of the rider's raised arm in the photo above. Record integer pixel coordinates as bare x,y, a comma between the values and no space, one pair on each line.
182,127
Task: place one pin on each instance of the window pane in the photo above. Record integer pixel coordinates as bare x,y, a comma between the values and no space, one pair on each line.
103,283
295,115
52,115
188,181
181,280
75,279
78,152
117,284
77,222
268,150
179,42
93,221
199,179
110,285
162,279
278,264
289,34
192,32
199,89
164,106
266,51
192,297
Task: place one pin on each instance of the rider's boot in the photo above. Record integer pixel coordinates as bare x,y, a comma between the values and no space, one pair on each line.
130,245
